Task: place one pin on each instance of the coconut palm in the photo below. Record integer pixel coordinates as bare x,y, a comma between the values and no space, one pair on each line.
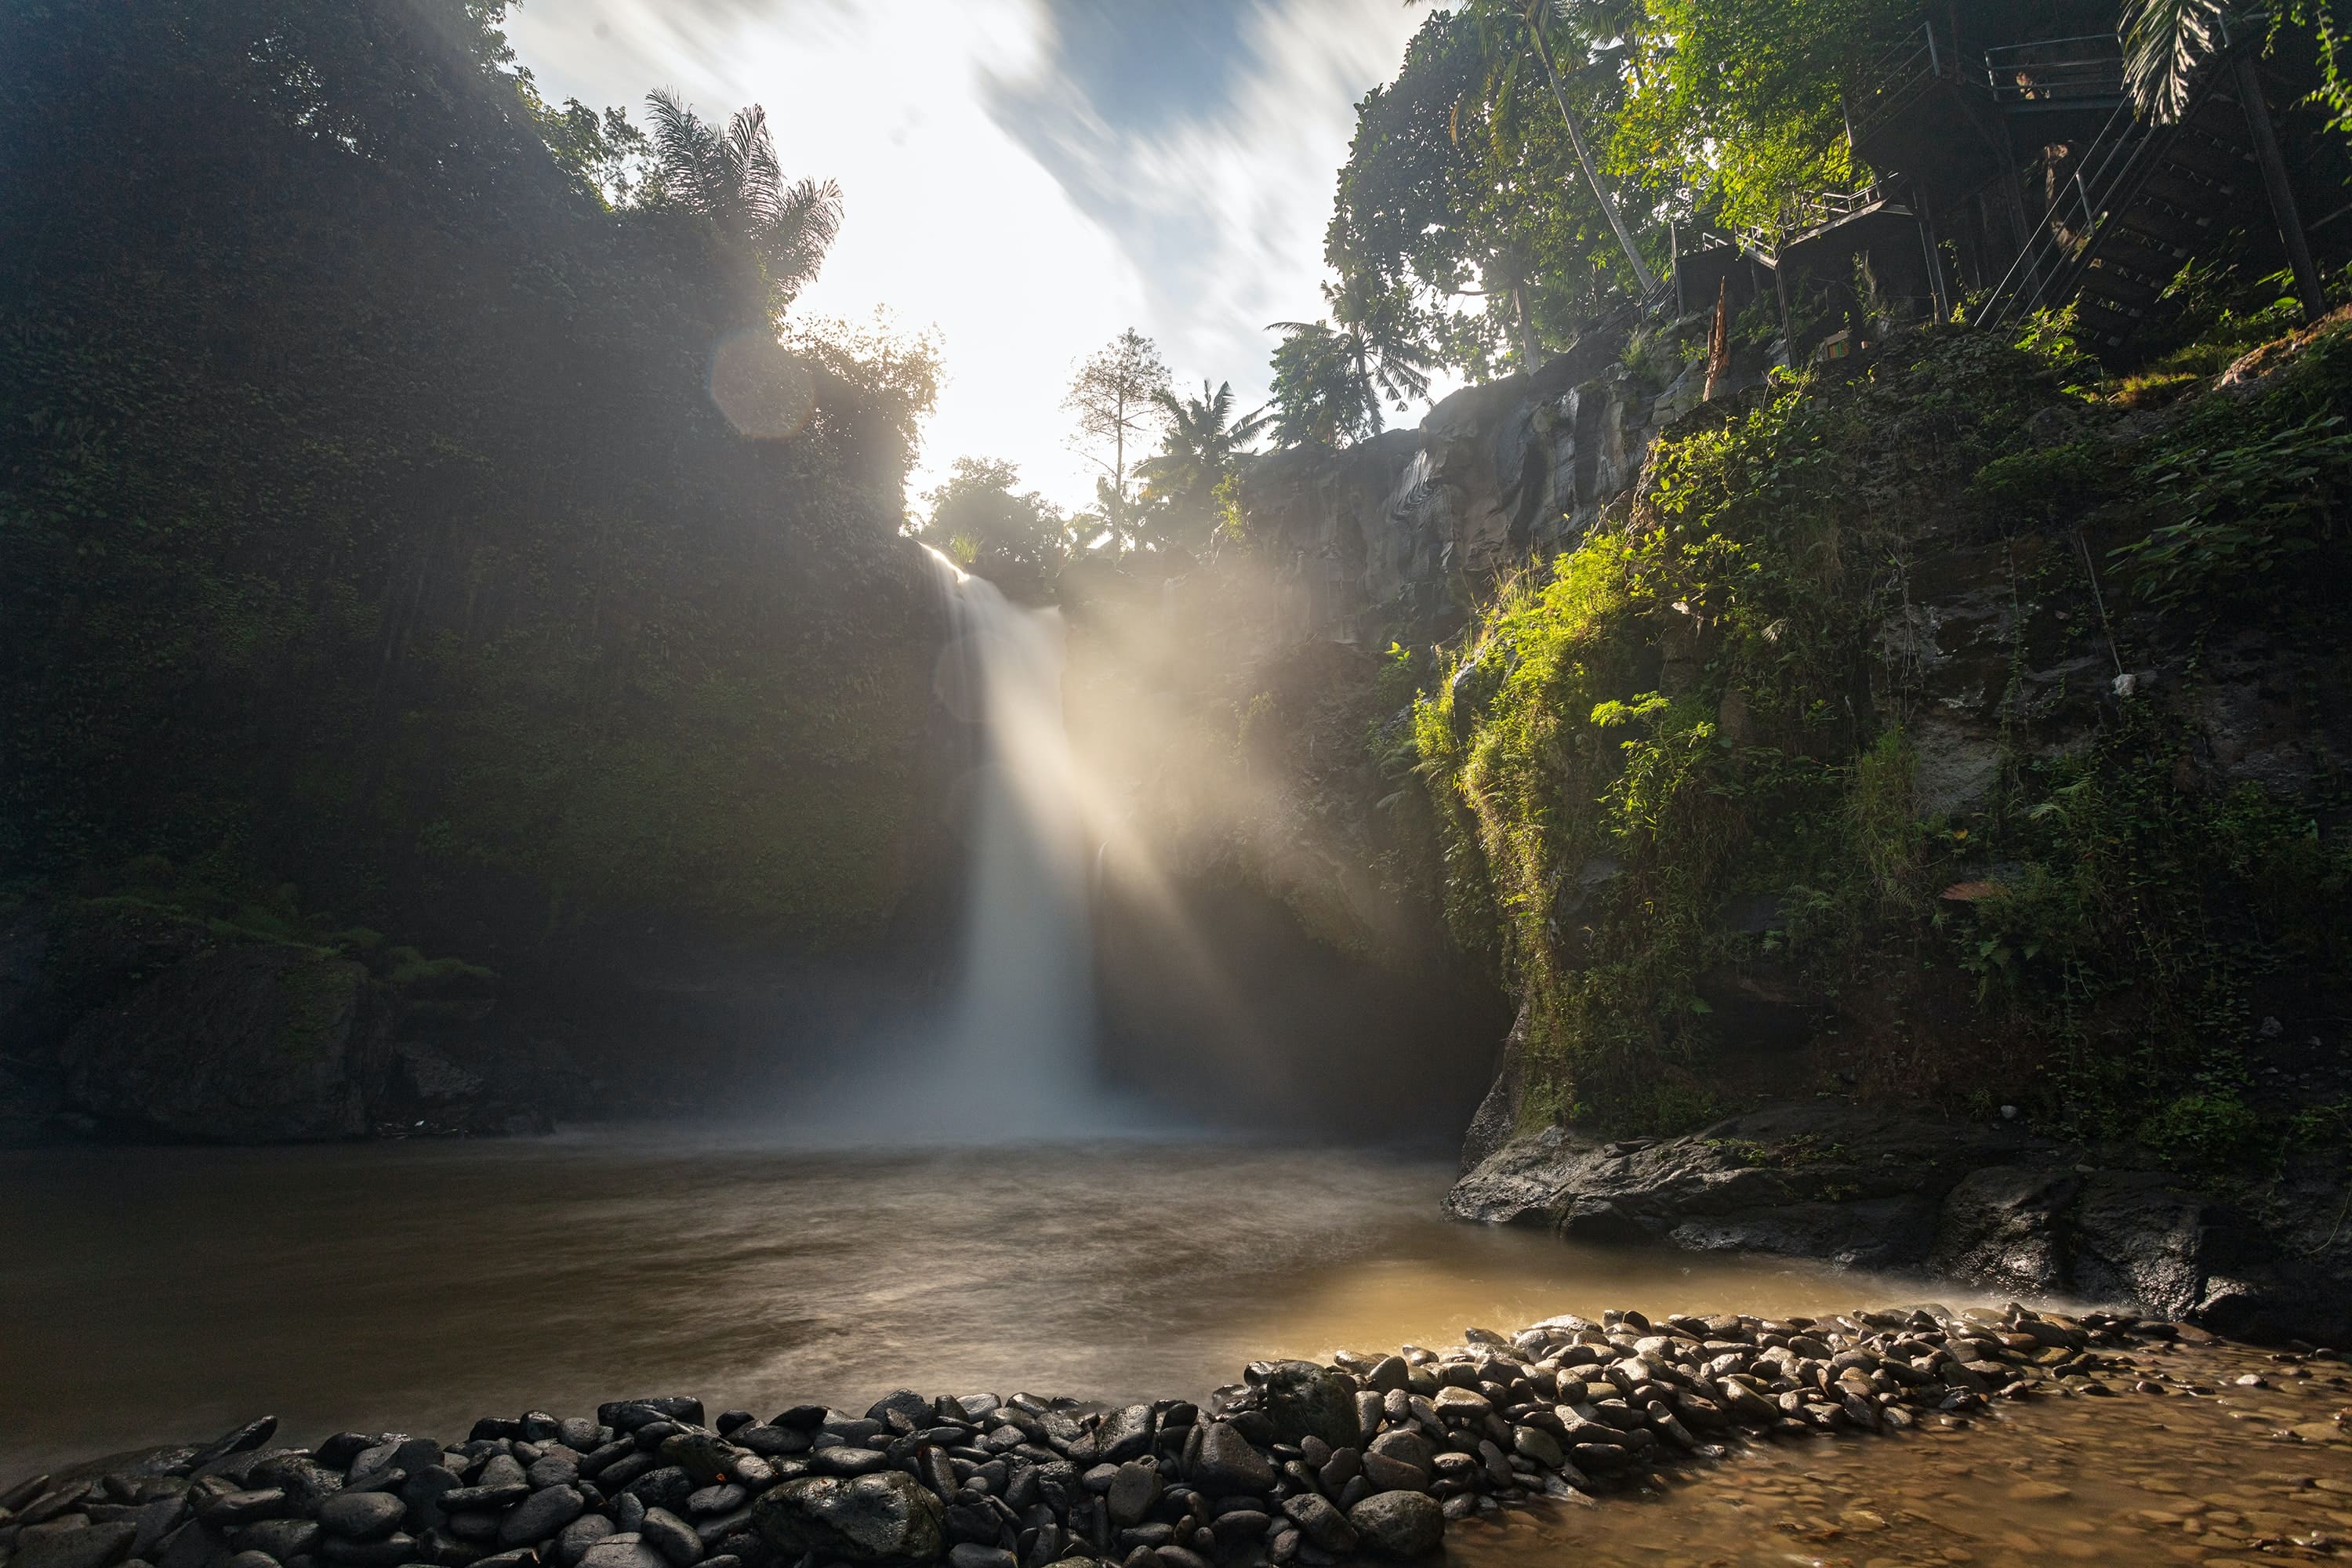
731,177
2164,43
1324,389
1203,440
1500,19
1375,340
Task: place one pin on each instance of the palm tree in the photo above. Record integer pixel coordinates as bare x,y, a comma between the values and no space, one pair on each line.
1324,390
1498,14
1376,340
2164,43
731,177
1204,438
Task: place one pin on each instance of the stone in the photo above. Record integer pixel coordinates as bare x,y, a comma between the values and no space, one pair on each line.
972,1554
671,1536
710,1501
385,1552
1225,1463
1394,1474
621,1551
1304,1400
1398,1523
1126,1434
882,1517
1322,1524
253,1560
228,1509
1406,1446
280,1538
845,1460
541,1516
703,1457
573,1541
63,1544
1134,1488
1535,1443
361,1516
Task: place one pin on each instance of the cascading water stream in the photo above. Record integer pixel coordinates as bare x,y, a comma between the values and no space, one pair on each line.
1013,1054
1018,1043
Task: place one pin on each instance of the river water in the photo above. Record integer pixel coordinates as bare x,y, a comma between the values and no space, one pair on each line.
154,1295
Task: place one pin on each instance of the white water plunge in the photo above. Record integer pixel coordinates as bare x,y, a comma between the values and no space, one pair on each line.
1013,1054
1019,1040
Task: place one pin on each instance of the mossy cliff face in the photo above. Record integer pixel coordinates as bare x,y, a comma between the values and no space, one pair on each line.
1945,733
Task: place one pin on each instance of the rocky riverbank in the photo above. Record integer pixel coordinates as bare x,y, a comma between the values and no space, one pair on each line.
1300,1462
1990,1204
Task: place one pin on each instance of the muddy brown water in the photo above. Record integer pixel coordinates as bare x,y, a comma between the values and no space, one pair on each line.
162,1295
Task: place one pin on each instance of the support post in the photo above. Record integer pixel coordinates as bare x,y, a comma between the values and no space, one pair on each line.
1939,295
2257,111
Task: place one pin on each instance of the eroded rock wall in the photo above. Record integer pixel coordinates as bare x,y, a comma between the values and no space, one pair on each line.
1396,535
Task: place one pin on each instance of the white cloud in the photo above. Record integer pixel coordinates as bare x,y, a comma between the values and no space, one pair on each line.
952,221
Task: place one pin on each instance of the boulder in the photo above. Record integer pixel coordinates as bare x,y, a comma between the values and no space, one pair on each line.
887,1517
1304,1400
245,1044
1224,1463
1398,1523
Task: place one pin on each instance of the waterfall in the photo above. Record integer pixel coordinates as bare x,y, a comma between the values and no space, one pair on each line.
1010,1054
1015,1054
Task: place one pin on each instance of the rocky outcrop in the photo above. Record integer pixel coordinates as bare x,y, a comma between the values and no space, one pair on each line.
121,1018
1400,530
253,1043
1984,1204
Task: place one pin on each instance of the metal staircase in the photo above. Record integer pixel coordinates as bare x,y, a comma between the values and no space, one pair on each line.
2142,199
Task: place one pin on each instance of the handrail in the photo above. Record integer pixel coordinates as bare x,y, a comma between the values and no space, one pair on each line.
1894,80
2113,171
2046,258
2056,69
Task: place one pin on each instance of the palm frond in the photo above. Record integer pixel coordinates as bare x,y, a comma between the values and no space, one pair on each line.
2164,42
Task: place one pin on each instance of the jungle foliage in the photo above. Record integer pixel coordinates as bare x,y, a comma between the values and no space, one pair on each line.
367,521
1676,768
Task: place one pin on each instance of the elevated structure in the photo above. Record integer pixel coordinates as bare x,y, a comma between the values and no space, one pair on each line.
2012,167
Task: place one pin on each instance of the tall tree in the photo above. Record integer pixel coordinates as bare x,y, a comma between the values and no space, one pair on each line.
1114,397
1514,24
731,177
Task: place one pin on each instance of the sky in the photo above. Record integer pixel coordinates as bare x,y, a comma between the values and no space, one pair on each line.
1028,176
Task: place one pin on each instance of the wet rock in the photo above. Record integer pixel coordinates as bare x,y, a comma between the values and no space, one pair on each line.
671,1536
70,1544
1225,1463
1125,1433
1322,1524
360,1516
1133,1489
703,1457
1398,1523
621,1551
573,1541
541,1515
887,1517
227,1511
1304,1400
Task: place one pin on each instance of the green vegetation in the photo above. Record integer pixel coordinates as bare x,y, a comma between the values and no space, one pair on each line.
403,496
1677,774
1471,230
